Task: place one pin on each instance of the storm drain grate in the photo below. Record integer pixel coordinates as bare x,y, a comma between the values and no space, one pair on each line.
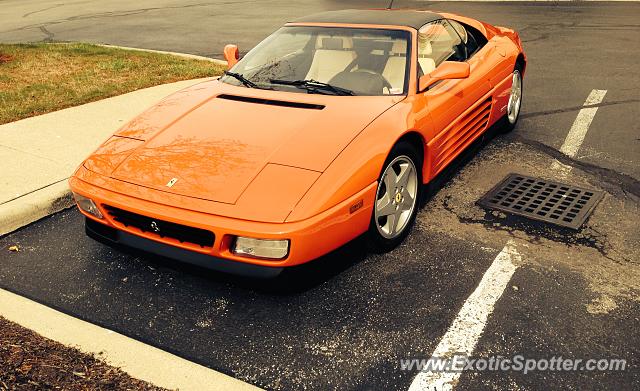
539,199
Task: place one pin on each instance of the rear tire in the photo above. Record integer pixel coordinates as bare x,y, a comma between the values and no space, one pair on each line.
510,119
397,198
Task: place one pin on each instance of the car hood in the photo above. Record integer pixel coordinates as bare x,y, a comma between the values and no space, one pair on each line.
213,140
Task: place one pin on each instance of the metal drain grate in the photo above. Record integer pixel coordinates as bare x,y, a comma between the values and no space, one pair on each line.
539,199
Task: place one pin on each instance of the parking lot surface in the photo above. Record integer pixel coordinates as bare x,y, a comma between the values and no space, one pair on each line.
346,320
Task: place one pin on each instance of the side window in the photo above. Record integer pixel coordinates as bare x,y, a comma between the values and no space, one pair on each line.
480,39
472,46
471,37
438,42
460,30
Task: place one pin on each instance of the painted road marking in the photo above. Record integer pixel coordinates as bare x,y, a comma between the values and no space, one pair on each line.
139,360
465,331
579,129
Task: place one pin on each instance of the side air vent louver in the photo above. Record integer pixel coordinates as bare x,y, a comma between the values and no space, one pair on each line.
455,138
283,103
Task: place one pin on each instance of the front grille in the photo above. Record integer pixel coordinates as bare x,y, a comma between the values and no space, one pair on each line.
161,228
543,200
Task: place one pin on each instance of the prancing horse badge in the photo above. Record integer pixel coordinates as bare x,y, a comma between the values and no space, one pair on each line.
172,182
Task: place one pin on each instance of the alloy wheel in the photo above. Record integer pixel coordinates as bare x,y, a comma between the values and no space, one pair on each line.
396,197
515,99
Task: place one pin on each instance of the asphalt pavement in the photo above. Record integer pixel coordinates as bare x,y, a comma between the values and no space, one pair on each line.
346,320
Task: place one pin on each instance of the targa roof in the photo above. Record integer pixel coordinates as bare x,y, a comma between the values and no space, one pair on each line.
410,18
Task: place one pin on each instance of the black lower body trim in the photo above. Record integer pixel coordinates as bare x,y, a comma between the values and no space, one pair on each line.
114,237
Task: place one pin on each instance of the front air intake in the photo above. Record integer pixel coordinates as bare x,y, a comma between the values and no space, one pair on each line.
161,228
272,102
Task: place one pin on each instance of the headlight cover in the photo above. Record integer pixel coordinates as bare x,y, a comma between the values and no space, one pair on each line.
87,205
261,248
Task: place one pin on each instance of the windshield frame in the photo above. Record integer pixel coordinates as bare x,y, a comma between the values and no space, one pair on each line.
409,35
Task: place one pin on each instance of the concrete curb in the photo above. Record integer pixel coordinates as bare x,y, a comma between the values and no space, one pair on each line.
31,207
139,360
183,55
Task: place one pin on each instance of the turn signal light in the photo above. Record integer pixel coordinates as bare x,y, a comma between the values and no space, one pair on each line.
87,205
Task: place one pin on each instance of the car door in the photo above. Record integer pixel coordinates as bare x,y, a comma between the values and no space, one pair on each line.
458,107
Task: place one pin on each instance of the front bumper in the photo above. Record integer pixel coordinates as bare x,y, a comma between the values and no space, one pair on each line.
114,237
309,239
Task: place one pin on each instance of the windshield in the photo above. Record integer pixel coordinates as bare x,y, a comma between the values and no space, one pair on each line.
356,60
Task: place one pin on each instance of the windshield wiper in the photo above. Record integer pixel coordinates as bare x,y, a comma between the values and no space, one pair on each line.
314,86
244,80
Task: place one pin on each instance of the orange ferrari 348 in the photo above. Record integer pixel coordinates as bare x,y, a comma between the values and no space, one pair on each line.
326,130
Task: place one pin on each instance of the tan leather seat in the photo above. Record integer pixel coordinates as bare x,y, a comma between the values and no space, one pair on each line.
427,64
394,70
332,56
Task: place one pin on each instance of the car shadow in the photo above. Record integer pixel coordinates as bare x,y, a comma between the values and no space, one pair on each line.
290,281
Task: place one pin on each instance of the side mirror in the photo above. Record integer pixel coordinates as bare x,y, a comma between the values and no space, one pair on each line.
231,54
446,70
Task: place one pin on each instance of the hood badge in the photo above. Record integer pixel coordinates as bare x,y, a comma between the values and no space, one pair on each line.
172,182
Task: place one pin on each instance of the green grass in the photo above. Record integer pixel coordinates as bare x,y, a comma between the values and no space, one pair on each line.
39,78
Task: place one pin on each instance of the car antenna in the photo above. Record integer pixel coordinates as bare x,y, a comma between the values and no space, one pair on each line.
390,5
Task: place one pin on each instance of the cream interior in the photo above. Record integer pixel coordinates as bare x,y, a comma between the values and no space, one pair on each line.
334,54
394,70
427,64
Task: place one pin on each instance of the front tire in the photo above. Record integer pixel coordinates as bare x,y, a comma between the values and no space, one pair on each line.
397,196
514,105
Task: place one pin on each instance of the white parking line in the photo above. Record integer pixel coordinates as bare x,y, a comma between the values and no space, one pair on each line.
579,129
463,334
580,126
139,360
466,329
